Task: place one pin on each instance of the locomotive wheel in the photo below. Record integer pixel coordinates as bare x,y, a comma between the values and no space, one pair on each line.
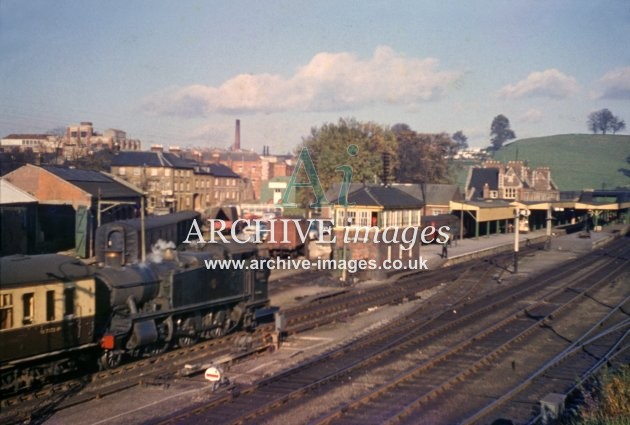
186,341
191,337
157,348
219,325
110,359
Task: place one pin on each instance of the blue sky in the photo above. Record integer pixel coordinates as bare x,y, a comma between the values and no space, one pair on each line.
181,72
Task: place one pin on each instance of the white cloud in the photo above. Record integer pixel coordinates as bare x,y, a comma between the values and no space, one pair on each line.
616,84
550,83
330,81
532,115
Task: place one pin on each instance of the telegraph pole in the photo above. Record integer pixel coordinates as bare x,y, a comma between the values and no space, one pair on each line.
516,225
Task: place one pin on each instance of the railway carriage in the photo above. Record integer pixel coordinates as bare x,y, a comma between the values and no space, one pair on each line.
56,311
47,316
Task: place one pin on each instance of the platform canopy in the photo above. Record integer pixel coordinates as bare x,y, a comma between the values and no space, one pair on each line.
487,210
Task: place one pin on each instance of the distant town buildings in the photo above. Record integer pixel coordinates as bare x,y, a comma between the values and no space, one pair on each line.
79,140
174,178
37,143
248,164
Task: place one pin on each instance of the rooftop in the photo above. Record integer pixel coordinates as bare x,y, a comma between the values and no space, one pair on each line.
381,196
11,194
93,182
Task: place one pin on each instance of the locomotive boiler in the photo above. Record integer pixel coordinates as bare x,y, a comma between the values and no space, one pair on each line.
175,300
57,312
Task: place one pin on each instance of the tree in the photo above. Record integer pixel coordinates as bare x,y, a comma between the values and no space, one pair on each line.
500,132
462,141
604,121
330,146
422,157
617,125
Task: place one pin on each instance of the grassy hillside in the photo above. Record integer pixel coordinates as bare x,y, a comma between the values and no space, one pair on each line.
577,161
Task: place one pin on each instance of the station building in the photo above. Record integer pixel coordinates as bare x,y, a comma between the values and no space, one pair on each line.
496,193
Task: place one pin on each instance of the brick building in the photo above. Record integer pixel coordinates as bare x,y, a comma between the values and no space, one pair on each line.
18,220
166,179
173,183
68,203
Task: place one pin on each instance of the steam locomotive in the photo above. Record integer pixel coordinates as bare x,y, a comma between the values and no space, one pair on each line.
57,312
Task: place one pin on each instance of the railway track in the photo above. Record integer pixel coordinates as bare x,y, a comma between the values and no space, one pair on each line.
269,397
75,391
431,388
351,302
606,342
155,370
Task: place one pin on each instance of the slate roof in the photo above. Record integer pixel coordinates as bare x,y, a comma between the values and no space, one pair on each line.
217,170
26,136
382,196
93,182
436,194
150,159
481,176
333,193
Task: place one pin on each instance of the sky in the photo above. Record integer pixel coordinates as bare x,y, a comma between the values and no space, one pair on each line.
181,72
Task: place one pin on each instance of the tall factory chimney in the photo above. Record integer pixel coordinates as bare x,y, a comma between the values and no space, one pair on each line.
237,136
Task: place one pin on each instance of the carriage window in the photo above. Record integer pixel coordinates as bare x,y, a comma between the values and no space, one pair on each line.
27,308
68,298
6,311
50,305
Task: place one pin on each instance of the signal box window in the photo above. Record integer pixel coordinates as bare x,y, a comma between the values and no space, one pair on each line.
50,306
27,308
68,297
6,311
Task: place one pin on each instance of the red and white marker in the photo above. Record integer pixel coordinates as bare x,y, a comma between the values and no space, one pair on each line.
213,374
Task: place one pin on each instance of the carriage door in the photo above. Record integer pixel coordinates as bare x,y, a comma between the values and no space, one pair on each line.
70,325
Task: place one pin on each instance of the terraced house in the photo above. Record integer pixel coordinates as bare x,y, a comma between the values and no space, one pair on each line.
173,183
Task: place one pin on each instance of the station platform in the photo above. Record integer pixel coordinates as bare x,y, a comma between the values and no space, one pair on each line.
469,249
301,287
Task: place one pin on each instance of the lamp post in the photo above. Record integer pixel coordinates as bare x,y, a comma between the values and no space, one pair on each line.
345,223
461,222
549,220
517,216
